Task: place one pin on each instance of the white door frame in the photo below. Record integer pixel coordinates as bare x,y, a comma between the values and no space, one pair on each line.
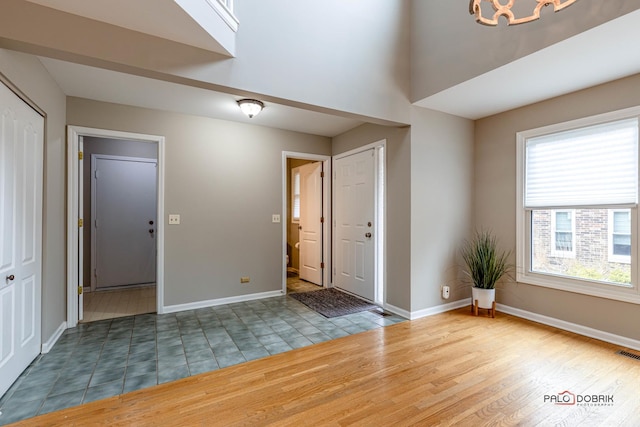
73,213
380,202
326,213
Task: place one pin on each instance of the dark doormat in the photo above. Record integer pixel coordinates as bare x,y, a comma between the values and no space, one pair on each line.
332,302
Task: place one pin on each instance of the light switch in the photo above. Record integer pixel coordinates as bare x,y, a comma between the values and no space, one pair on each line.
174,219
275,218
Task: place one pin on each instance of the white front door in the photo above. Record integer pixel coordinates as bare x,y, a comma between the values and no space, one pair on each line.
124,215
311,222
354,223
21,166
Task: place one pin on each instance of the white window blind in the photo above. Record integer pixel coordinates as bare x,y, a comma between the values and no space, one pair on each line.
295,195
596,165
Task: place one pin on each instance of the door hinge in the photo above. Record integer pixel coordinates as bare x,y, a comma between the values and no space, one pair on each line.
79,290
322,265
322,174
80,223
322,220
80,155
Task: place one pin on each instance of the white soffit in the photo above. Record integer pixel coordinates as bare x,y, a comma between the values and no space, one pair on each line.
160,18
110,86
602,54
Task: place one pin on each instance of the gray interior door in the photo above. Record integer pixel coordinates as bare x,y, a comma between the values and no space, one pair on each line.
124,216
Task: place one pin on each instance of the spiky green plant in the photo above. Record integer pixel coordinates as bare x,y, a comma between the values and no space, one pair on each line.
485,264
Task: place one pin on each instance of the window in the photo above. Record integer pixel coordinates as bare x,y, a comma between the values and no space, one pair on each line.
620,235
563,234
295,195
577,206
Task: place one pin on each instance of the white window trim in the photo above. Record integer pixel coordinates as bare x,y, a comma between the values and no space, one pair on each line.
523,224
560,253
623,259
294,172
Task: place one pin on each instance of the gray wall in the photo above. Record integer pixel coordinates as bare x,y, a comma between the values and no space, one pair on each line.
114,147
495,190
30,77
225,180
441,204
448,47
398,202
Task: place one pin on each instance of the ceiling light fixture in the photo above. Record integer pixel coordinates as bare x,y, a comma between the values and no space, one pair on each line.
251,107
505,10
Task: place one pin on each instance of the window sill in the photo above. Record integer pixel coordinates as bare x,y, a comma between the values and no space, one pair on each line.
614,292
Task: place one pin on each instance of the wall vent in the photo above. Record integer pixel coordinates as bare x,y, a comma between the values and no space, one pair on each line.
627,354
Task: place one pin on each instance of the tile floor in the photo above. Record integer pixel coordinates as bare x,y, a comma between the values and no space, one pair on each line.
109,304
106,358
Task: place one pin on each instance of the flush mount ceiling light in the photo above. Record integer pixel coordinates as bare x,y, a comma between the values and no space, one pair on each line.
501,9
251,107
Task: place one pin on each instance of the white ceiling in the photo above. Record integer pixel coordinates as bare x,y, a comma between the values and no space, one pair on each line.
597,56
109,86
161,18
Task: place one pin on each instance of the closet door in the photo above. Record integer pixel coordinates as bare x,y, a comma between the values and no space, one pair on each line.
21,166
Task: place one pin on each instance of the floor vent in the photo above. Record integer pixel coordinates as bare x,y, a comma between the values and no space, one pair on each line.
627,354
380,312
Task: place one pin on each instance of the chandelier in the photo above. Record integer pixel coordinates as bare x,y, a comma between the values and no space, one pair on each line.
501,9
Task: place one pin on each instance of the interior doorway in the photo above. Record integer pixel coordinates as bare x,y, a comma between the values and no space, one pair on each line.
115,237
306,190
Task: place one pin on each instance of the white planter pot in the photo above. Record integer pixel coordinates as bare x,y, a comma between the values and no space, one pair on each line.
485,297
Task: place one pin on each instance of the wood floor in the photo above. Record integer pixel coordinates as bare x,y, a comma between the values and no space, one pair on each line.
100,305
448,369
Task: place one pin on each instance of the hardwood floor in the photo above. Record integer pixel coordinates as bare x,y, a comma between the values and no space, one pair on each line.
448,369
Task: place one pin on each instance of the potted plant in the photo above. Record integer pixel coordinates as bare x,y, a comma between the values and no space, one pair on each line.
485,265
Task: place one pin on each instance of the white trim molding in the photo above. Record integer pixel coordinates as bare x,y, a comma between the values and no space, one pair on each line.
398,311
438,309
220,301
326,212
53,339
73,135
571,327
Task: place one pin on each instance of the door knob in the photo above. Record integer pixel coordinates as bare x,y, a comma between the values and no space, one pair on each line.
367,235
10,278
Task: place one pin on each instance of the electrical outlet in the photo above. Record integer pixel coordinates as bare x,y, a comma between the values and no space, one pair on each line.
244,279
174,219
445,292
275,218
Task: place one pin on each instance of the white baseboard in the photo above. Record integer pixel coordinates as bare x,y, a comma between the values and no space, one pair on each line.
220,301
399,311
571,327
439,309
48,345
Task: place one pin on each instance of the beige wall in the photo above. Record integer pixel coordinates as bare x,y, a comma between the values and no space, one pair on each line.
441,204
225,180
398,202
495,194
31,78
